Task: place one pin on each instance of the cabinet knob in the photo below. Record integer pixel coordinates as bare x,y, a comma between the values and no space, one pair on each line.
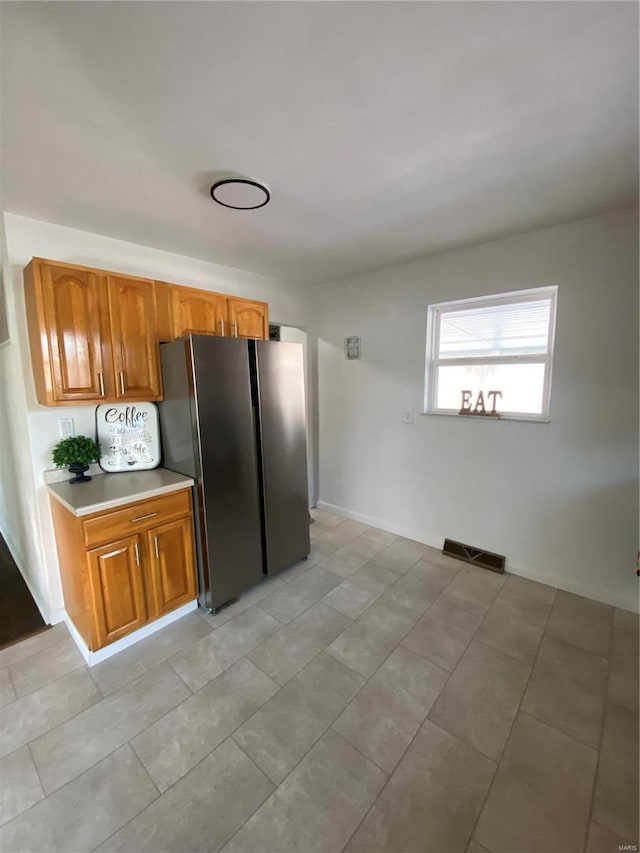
101,381
222,327
121,375
155,545
137,550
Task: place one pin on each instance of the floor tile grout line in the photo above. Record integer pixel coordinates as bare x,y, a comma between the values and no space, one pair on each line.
100,698
33,654
476,639
44,794
82,664
145,671
94,705
330,725
75,778
576,646
389,775
426,717
137,814
13,687
316,741
186,699
601,738
258,807
97,686
515,717
182,681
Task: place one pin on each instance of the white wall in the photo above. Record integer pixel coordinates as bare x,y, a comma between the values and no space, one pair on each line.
294,335
19,521
34,428
560,500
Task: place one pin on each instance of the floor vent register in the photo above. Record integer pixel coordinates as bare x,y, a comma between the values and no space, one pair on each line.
477,556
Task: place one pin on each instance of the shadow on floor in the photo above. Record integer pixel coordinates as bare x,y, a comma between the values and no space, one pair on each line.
19,615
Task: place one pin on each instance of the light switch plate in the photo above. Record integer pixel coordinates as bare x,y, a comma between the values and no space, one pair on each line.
408,416
66,427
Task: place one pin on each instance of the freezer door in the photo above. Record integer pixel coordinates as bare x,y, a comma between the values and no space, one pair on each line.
227,495
283,452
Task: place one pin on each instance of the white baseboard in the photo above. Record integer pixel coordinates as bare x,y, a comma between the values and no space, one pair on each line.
93,658
586,590
57,615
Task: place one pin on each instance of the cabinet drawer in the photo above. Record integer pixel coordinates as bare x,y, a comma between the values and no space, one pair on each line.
134,517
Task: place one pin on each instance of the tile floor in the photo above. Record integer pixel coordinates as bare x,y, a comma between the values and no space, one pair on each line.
377,697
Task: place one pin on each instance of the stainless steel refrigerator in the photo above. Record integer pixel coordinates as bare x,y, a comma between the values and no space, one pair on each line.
233,418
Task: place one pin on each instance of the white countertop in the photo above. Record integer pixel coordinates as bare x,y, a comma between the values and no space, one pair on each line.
107,491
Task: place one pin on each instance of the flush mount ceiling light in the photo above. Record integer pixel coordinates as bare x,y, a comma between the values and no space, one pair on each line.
240,194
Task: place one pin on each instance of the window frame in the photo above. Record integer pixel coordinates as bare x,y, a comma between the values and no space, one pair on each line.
432,363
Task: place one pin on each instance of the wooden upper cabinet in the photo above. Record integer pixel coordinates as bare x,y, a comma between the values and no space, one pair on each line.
136,362
198,312
248,319
69,333
190,311
92,334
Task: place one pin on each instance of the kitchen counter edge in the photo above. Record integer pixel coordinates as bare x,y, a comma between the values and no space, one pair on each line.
110,491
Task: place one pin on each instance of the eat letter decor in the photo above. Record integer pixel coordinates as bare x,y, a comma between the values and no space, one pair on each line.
479,408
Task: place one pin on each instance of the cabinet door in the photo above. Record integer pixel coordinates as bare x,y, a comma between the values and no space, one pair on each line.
77,332
117,589
248,319
136,361
198,312
173,579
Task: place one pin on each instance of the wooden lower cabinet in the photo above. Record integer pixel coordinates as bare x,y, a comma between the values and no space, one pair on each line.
170,547
117,590
124,568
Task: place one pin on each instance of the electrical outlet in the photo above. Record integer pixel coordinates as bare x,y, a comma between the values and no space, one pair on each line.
66,427
408,417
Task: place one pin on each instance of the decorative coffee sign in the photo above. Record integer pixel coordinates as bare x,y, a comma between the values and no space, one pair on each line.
479,408
128,435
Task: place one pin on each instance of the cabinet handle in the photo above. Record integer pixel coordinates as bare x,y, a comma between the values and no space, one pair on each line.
222,327
142,517
235,328
121,375
101,381
135,548
155,545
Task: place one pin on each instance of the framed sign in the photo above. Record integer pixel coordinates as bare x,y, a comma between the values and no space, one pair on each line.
129,436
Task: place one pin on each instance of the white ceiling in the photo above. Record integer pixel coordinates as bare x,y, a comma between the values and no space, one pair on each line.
384,131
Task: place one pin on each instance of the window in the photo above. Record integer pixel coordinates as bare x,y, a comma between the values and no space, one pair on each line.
492,356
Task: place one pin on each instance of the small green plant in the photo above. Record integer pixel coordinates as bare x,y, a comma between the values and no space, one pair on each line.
76,448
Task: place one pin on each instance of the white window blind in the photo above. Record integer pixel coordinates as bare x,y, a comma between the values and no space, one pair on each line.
501,343
520,328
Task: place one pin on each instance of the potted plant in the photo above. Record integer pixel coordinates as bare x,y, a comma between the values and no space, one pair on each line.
76,453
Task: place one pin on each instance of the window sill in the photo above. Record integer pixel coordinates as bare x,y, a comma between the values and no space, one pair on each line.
530,419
